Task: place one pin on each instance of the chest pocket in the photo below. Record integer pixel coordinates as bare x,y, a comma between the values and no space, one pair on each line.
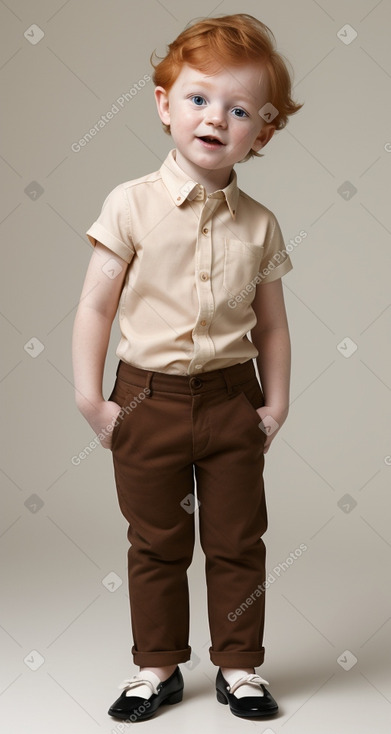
242,261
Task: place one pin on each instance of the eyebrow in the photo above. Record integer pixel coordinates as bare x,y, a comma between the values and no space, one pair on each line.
199,82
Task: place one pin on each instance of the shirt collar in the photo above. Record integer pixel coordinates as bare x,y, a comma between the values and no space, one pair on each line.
181,187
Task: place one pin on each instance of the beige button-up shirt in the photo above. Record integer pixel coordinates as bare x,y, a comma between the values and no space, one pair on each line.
195,261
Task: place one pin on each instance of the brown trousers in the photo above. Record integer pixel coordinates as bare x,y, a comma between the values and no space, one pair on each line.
173,428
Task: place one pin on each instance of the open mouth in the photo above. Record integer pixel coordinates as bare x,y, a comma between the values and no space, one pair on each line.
210,139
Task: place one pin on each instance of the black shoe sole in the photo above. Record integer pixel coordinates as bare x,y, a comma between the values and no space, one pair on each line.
170,700
244,715
271,710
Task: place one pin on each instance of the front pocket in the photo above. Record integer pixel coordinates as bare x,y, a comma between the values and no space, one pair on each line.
122,394
242,261
250,408
117,424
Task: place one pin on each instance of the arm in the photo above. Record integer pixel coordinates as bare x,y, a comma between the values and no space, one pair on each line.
91,334
271,338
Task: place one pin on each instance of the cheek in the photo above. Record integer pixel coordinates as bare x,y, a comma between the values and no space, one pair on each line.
244,134
183,120
249,134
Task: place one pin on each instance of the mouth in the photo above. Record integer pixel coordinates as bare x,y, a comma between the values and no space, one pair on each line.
210,140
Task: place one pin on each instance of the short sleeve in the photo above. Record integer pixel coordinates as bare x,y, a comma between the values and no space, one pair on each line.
276,261
112,228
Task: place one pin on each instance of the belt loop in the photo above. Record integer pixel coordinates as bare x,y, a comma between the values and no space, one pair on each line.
148,389
228,383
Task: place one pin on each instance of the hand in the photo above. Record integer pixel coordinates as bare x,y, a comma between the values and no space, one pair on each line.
270,416
102,420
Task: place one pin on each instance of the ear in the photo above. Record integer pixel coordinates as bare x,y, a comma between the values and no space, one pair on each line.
263,137
161,97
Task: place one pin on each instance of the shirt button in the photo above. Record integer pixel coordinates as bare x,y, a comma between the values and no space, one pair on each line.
198,366
203,322
205,230
204,276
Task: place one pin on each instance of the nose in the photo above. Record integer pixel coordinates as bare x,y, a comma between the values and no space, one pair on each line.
214,115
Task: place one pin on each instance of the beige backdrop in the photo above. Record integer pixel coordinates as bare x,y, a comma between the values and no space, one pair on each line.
65,633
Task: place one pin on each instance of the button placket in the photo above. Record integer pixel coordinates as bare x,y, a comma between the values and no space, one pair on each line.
203,344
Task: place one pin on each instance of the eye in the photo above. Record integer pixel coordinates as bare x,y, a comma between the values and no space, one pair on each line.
197,99
238,112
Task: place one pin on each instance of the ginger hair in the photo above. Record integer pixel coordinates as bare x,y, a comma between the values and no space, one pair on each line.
213,43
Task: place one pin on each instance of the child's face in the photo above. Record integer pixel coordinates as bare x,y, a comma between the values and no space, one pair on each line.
223,106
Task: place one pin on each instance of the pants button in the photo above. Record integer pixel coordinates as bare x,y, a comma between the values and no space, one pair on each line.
195,382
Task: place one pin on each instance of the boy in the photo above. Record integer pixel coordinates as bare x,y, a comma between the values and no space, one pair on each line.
197,264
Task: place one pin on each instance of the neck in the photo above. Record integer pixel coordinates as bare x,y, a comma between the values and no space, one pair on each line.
210,180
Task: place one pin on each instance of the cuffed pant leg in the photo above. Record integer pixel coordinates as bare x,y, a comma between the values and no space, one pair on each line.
233,518
154,473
